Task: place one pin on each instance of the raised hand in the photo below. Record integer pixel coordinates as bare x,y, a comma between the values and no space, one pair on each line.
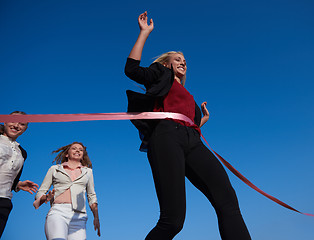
142,22
205,114
146,29
27,186
204,109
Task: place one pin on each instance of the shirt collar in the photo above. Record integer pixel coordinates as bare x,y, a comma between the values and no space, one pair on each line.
66,164
5,138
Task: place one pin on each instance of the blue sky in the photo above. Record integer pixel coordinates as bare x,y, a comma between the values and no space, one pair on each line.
252,61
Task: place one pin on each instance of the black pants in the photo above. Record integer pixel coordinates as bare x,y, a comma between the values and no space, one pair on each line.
176,152
5,209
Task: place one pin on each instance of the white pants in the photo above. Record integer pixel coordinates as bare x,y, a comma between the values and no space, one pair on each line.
62,223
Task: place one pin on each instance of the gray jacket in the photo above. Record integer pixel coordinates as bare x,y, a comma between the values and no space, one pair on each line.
61,181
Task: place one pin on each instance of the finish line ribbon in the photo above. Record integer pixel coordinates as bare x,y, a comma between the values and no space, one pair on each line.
92,117
133,116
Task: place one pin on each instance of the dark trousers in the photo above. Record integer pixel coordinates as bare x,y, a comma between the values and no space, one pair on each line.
5,209
176,152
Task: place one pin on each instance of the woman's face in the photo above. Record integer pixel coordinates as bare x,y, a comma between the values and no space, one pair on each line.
14,129
178,63
75,152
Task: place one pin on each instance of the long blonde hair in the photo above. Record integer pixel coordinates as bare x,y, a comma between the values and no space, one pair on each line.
165,57
63,151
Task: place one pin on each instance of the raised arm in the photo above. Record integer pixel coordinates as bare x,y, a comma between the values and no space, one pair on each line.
145,30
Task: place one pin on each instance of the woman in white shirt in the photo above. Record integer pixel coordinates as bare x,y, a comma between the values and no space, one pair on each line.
71,178
12,157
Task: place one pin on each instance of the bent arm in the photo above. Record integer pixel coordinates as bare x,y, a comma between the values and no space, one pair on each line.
41,196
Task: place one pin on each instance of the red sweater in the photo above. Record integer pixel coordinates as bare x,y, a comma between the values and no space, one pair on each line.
178,100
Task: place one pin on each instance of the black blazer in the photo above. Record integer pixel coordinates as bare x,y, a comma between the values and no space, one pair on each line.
158,80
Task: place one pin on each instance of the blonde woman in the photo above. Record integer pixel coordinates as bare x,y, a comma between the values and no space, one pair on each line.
71,178
174,147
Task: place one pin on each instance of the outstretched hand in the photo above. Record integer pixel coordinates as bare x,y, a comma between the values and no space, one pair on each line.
44,199
27,186
142,22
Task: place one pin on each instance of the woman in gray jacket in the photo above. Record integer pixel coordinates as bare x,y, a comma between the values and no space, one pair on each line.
71,178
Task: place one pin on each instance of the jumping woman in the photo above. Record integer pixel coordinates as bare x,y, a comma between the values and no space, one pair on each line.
174,147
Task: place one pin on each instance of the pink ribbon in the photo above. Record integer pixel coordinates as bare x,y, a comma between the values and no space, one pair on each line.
250,184
133,116
92,117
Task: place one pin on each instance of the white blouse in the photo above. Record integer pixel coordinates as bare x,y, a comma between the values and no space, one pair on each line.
11,162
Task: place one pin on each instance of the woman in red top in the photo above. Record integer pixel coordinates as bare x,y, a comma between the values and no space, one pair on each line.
174,148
